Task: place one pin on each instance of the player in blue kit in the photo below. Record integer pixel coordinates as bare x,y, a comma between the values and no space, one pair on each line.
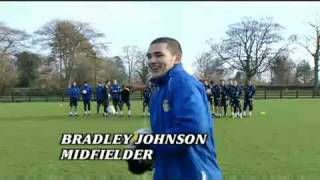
146,100
86,91
230,89
74,94
125,99
209,92
116,96
179,105
249,93
236,95
107,92
100,95
216,92
224,97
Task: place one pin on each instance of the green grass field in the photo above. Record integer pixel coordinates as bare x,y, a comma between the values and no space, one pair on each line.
281,144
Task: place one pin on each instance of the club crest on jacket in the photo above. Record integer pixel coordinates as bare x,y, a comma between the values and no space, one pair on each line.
165,105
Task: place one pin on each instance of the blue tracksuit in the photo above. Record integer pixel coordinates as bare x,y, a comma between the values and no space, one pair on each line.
74,94
116,92
87,97
209,95
116,96
216,92
229,93
180,105
249,93
224,95
100,93
146,95
236,94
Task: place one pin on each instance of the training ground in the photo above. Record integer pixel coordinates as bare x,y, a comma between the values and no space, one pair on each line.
282,143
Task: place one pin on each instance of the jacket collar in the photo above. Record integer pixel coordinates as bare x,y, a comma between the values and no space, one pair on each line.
165,78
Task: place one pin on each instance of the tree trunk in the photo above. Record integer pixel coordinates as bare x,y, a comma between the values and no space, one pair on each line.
67,79
60,70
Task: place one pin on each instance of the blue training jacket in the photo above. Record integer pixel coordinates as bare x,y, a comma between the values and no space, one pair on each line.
74,92
250,92
216,91
116,92
100,93
147,94
179,105
86,97
236,92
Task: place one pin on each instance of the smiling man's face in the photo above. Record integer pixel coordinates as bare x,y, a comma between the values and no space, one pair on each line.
161,59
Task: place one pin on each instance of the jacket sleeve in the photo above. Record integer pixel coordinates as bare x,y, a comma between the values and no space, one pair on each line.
190,114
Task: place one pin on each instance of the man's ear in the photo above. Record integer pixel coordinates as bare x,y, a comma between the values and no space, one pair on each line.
177,59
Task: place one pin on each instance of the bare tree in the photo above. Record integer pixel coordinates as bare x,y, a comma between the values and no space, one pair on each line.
142,66
283,69
11,40
117,70
8,77
47,73
130,58
249,45
208,66
204,62
303,72
27,65
312,45
66,39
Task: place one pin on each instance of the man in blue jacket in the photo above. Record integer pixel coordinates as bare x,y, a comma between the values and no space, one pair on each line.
86,91
100,94
179,106
125,99
230,90
224,97
216,92
146,99
74,94
236,95
107,91
116,96
207,87
249,93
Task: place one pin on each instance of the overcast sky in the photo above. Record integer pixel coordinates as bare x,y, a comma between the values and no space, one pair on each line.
138,23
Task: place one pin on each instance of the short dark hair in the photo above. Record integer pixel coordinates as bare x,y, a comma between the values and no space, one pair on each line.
173,45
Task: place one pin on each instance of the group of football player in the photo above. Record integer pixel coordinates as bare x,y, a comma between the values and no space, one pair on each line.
221,95
119,96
